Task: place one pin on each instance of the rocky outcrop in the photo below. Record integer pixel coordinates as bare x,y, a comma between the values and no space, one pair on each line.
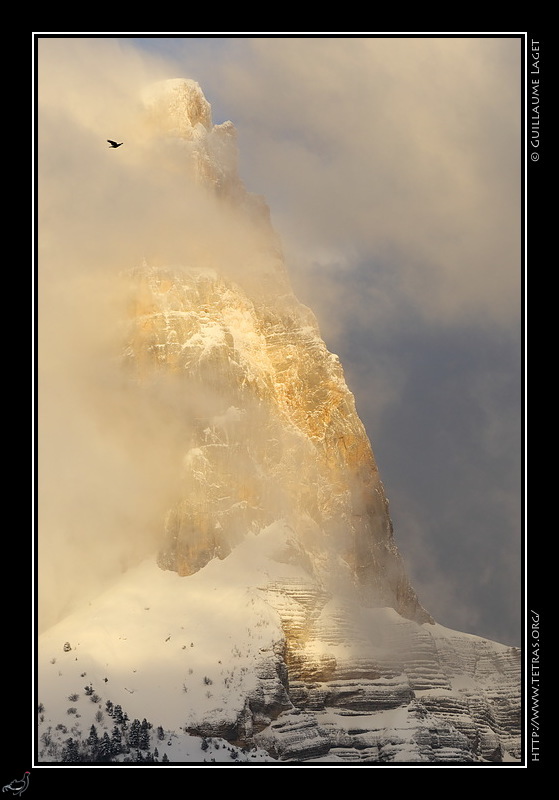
179,118
369,686
274,434
271,431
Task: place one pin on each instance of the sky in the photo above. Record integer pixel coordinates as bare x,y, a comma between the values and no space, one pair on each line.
392,168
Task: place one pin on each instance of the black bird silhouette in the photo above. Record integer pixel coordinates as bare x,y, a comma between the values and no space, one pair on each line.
114,144
17,787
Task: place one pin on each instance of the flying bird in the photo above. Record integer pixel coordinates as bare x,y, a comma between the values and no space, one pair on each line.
114,144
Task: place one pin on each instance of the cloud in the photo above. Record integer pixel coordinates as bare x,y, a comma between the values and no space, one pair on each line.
404,149
392,168
108,457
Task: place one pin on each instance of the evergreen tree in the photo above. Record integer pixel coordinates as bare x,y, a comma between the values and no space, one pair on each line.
160,733
70,754
116,741
93,742
117,714
105,753
144,735
134,734
165,759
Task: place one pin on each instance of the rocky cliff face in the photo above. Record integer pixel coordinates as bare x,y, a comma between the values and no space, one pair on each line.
371,687
270,453
276,433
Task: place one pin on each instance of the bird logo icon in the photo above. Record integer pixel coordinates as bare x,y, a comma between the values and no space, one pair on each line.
17,787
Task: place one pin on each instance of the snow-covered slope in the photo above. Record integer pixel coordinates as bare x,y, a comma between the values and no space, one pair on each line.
178,652
249,653
275,615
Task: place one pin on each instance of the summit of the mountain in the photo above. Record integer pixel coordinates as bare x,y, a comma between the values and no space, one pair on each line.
177,107
180,118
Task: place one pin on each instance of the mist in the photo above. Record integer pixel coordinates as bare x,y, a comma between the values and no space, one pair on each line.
390,169
110,448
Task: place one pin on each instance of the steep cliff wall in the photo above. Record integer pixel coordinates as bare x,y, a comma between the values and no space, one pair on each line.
275,433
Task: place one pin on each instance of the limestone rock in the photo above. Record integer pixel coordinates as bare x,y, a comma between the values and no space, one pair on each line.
276,435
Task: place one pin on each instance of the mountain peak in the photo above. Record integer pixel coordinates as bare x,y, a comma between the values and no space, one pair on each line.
180,121
179,107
